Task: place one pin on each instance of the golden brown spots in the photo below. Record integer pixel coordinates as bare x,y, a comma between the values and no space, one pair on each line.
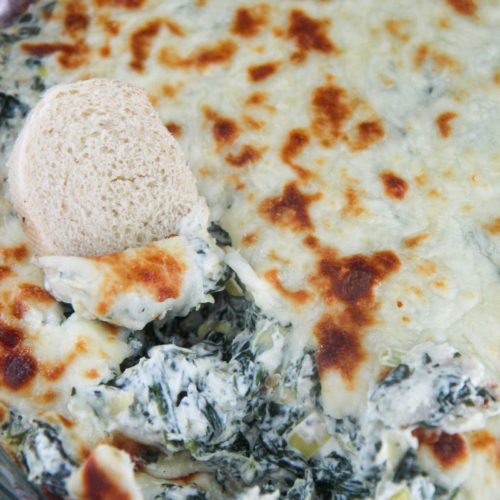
395,27
311,242
75,17
249,239
296,141
427,267
486,442
368,133
248,154
448,449
103,354
435,193
238,184
421,179
169,90
5,271
413,241
298,57
111,27
290,209
278,32
443,123
174,128
91,374
188,479
123,4
353,205
493,227
10,336
309,34
252,123
159,272
248,22
262,71
46,398
18,369
399,304
439,59
219,53
4,415
141,41
65,421
136,450
15,254
421,55
352,279
273,255
331,109
444,23
224,130
97,485
71,56
256,99
154,99
81,346
441,285
260,99
464,7
338,349
173,27
18,309
394,186
297,297
54,372
29,291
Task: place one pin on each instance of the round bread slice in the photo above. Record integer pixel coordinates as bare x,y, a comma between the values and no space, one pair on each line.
95,171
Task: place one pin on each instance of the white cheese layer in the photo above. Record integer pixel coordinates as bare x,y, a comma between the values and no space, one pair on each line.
136,286
44,356
107,473
420,80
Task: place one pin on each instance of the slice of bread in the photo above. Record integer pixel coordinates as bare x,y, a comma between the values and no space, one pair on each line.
95,171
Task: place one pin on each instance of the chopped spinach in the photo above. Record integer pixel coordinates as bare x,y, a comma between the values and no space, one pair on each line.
228,314
399,373
46,460
232,425
220,235
175,492
11,107
407,467
38,84
444,388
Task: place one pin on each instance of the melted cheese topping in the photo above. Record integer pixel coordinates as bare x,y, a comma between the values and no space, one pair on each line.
43,355
108,473
350,151
136,286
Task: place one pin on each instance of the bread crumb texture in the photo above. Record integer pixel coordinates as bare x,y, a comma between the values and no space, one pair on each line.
95,171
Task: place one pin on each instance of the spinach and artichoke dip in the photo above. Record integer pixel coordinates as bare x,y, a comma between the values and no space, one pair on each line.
335,334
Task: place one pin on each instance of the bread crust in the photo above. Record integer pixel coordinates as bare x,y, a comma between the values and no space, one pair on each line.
95,171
